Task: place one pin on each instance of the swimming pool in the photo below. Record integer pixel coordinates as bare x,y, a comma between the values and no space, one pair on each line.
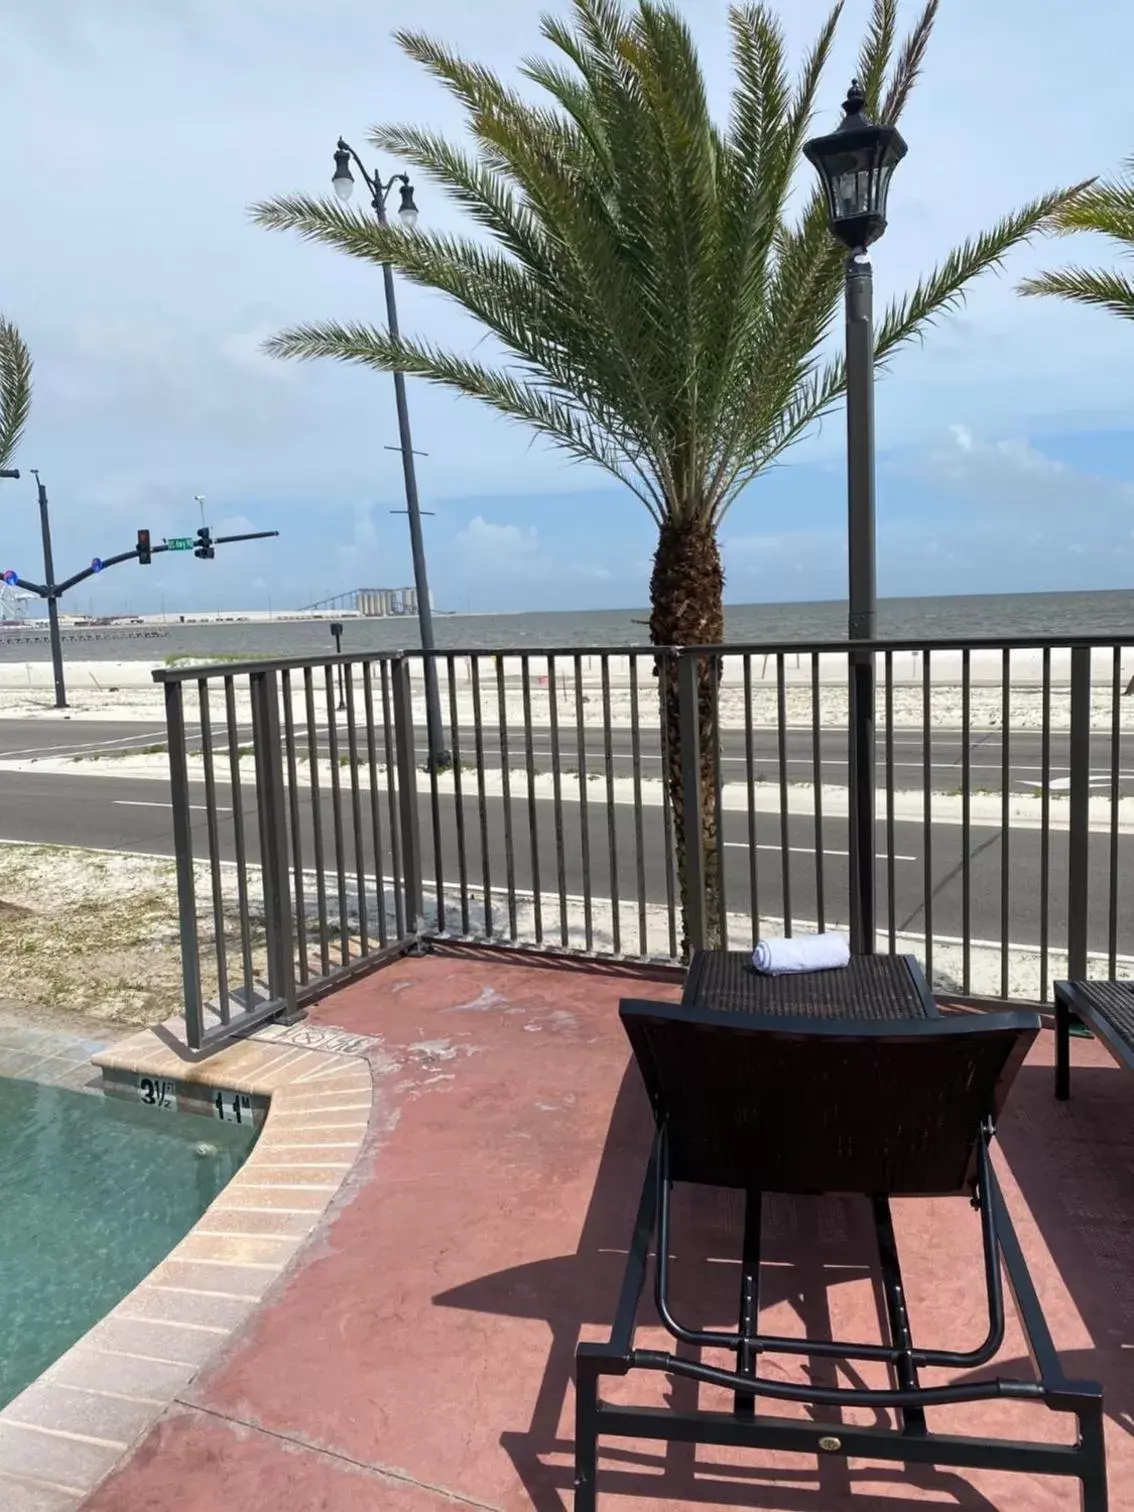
94,1192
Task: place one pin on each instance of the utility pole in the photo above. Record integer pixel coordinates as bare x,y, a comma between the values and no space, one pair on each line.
51,594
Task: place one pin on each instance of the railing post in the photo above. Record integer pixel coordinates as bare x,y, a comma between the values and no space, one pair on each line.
692,856
183,852
271,804
862,787
402,692
1079,815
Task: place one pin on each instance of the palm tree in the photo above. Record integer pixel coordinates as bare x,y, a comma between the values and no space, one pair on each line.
15,389
1109,210
659,306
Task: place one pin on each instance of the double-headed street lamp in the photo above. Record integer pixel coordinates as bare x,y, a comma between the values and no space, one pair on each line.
343,182
855,164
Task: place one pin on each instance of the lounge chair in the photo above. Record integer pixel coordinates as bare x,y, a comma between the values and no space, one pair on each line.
822,1106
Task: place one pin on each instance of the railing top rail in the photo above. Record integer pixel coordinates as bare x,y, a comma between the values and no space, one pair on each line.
197,671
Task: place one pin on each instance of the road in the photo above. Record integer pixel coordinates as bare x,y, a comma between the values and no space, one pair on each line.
133,815
38,739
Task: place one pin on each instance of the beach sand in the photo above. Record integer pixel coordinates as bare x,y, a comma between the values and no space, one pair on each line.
583,684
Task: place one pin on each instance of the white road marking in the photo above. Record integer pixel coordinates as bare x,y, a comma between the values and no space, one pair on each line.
803,850
221,808
147,738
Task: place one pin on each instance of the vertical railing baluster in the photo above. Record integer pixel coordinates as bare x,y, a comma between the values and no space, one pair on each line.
1079,813
966,824
663,661
1005,814
272,811
639,836
533,805
927,803
891,870
375,803
337,811
688,696
299,894
240,850
1115,749
212,829
785,826
482,796
715,670
397,871
317,820
347,673
183,860
458,793
428,672
1045,827
750,806
405,750
817,785
611,808
557,798
584,817
506,797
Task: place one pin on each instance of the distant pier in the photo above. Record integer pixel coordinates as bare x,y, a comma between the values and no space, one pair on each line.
372,603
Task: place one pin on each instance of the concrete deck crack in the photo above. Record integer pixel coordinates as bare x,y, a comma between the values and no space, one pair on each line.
297,1441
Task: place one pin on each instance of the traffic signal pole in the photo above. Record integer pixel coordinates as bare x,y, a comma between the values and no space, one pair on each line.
52,591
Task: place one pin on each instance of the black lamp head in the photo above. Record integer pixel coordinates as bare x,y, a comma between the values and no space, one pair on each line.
855,163
407,209
343,179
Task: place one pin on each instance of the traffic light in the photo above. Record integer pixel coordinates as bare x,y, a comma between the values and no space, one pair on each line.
144,557
204,544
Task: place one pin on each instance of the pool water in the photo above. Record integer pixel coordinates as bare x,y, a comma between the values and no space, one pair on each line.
94,1192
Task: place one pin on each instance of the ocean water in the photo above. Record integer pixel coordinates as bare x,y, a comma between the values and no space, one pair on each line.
1102,613
93,1193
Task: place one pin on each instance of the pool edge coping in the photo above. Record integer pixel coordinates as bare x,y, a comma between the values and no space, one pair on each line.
66,1431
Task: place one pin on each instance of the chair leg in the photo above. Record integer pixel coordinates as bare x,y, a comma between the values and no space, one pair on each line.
1093,1448
1062,1048
744,1404
586,1435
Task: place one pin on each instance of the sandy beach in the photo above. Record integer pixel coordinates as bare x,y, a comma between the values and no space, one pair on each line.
125,690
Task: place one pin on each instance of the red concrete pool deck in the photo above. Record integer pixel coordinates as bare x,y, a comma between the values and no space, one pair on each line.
418,1352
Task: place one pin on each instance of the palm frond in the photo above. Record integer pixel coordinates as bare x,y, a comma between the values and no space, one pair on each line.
1105,208
15,389
908,68
657,304
561,419
1108,291
944,288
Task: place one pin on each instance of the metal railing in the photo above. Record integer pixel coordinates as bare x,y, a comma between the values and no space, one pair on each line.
314,840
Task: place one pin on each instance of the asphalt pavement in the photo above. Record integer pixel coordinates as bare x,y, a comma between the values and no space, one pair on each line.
133,814
39,739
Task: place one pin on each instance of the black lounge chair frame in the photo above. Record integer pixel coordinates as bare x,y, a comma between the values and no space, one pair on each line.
911,1441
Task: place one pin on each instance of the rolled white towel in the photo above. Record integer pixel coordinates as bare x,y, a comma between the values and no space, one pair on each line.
820,952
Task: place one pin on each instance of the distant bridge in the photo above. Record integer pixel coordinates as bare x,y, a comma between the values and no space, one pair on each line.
373,603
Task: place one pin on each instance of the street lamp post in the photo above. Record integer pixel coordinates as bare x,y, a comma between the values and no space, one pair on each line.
855,164
343,182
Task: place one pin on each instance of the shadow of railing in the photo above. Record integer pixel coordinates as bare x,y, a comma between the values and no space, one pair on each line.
1074,1165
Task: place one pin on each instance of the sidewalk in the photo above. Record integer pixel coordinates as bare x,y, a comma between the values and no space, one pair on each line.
418,1353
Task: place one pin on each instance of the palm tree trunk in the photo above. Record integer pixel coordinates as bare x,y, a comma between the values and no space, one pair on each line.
686,609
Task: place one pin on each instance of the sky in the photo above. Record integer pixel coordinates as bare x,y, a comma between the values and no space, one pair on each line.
135,134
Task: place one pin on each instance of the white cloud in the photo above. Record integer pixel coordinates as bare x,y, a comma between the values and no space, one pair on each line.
508,548
1011,472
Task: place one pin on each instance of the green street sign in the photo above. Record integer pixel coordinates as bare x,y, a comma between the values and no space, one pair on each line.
179,543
